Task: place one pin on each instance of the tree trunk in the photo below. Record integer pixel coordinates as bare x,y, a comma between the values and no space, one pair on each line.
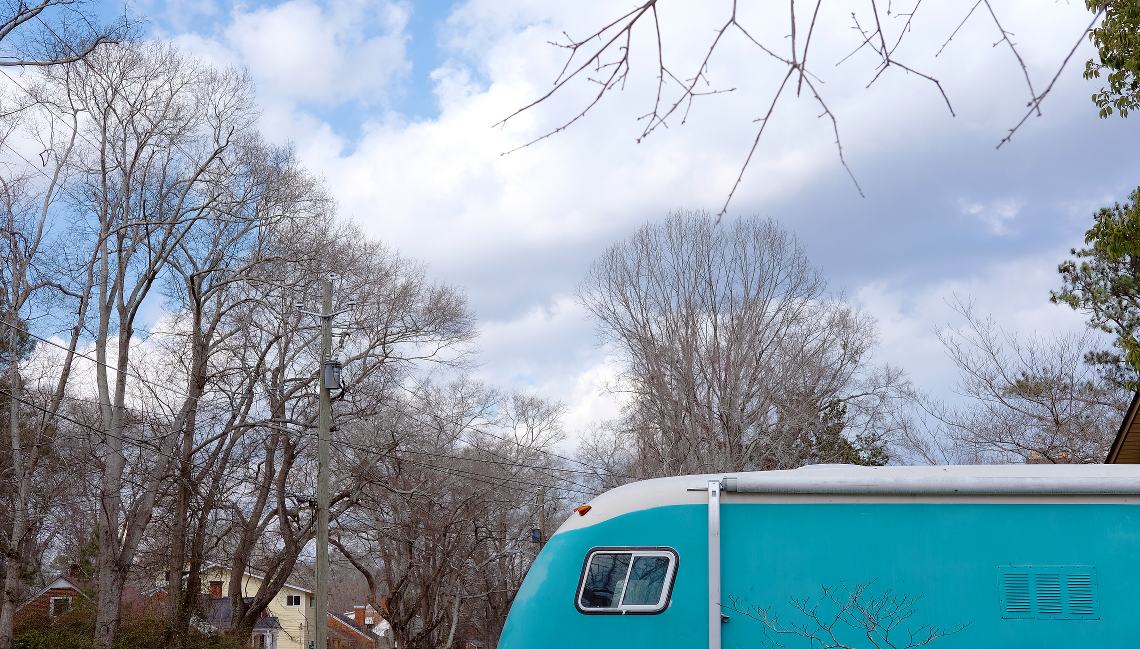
454,617
178,598
16,542
108,603
182,599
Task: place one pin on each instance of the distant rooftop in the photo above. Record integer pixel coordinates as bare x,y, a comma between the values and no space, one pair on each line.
1126,448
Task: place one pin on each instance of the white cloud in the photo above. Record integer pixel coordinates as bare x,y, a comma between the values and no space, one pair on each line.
996,215
301,52
518,230
1015,292
548,350
594,398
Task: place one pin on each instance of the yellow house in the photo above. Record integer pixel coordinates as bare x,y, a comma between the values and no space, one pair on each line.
292,607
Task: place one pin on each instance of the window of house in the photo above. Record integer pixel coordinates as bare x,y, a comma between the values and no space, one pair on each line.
292,600
627,580
215,589
59,606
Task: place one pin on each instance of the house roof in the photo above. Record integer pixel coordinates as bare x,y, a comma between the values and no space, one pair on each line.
59,583
348,622
1125,448
250,573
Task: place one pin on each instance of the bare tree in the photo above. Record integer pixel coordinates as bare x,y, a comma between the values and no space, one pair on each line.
155,133
27,206
53,32
440,533
602,61
209,287
736,357
195,428
1027,399
398,321
844,617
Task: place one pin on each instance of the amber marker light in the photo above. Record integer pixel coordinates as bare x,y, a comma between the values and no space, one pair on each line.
582,509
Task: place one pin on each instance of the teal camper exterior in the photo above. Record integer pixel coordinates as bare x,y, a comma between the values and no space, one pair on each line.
947,557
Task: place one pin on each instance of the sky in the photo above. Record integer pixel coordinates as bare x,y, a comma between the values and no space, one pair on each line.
394,103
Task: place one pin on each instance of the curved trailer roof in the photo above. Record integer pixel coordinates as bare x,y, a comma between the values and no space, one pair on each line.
898,483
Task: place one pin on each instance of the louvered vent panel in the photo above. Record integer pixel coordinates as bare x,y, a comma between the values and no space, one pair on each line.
1080,589
1048,592
1017,597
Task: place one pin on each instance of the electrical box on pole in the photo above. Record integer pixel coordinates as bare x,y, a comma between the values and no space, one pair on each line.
330,374
328,379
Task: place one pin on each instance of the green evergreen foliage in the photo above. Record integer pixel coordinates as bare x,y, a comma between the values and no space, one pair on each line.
829,444
1117,41
76,629
1103,281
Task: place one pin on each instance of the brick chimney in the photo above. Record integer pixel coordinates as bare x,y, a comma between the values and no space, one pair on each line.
358,615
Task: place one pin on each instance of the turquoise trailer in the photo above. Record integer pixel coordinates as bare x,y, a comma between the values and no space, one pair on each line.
946,557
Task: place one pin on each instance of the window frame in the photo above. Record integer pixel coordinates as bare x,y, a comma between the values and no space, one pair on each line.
288,598
52,612
635,552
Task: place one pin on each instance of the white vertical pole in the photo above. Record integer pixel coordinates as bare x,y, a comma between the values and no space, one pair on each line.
714,564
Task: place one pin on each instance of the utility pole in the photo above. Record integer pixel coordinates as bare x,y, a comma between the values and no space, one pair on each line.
541,517
324,433
329,379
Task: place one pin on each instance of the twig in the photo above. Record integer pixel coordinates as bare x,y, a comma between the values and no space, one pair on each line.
1035,104
955,32
763,124
1016,54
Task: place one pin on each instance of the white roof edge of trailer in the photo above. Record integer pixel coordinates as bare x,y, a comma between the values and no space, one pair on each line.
1028,480
1023,479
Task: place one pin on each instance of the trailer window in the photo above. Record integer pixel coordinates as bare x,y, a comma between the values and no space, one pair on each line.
632,580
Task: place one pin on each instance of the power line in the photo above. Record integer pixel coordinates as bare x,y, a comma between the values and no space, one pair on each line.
412,526
502,462
505,461
583,490
486,479
461,458
94,360
540,450
536,467
141,443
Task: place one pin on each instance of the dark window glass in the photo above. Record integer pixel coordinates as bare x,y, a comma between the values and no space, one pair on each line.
646,581
605,578
60,605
